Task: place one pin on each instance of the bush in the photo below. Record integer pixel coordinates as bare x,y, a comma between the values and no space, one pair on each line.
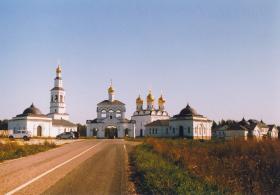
241,166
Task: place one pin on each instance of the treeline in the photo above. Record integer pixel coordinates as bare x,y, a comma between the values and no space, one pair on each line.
3,124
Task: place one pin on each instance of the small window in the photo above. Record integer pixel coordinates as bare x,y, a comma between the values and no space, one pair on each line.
111,117
103,114
189,130
118,114
173,130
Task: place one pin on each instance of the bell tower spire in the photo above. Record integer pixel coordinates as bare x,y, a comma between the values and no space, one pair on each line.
57,104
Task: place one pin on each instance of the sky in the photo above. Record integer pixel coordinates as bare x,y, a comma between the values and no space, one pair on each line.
220,56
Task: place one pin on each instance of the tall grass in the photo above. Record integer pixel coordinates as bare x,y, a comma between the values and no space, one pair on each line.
12,150
156,175
242,166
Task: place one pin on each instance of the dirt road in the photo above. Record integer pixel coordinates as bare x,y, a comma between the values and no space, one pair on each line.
86,167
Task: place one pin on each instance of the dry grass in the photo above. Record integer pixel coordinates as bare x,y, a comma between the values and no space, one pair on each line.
12,150
242,166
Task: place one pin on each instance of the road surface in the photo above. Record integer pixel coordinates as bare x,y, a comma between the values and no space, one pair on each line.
85,167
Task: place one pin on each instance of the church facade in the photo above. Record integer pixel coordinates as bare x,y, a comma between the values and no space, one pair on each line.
50,125
143,116
111,121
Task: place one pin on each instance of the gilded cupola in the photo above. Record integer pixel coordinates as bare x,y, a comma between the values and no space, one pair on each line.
150,97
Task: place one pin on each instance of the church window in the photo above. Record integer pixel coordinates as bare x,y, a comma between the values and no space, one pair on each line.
56,98
51,98
118,114
103,113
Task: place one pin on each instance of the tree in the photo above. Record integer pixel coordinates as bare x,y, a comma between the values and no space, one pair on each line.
82,129
214,125
4,125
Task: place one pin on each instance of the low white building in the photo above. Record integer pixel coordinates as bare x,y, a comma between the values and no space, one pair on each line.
111,121
188,123
246,129
142,116
40,125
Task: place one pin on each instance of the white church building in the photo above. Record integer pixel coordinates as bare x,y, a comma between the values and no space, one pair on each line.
187,124
111,121
143,116
50,125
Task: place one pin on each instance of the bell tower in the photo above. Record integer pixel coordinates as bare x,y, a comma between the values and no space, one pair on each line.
57,104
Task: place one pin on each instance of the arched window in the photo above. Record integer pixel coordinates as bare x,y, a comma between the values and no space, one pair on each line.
111,114
56,98
118,114
103,114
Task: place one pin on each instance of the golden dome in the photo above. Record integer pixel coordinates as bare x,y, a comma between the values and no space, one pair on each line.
139,100
150,97
111,89
58,69
161,100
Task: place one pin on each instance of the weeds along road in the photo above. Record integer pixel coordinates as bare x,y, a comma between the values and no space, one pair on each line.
85,167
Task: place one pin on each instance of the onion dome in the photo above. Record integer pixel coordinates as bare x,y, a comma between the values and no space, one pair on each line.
161,100
111,90
150,97
139,100
188,111
32,110
58,69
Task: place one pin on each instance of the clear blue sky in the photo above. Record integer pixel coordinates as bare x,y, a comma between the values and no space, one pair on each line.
221,56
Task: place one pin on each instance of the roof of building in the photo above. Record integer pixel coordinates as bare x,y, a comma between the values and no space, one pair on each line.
57,88
243,125
32,111
188,111
158,123
63,123
108,102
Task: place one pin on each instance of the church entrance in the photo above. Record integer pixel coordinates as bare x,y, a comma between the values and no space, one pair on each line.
181,131
39,131
111,132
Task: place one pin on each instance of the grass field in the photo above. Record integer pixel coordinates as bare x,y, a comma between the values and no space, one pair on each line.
156,175
183,166
13,150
